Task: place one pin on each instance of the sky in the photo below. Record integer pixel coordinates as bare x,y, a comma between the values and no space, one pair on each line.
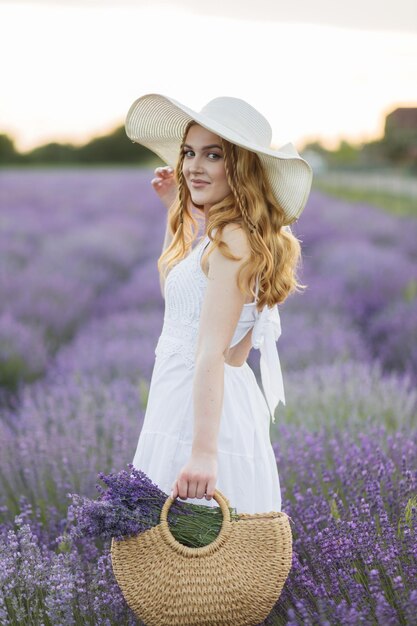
317,69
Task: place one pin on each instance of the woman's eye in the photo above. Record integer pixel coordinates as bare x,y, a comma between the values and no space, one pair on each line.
186,152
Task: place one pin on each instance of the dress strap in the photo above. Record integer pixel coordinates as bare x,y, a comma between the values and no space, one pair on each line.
203,243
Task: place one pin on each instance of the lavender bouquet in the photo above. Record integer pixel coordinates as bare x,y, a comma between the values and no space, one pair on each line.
132,503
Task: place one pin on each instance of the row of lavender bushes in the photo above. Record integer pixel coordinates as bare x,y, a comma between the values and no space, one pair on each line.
80,313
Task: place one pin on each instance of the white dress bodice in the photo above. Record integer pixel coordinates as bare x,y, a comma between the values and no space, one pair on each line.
184,292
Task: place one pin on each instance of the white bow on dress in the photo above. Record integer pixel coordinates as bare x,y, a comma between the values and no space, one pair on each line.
266,331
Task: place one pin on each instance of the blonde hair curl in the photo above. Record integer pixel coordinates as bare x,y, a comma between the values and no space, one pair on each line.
275,251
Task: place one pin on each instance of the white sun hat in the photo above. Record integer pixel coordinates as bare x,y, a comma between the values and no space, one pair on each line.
158,122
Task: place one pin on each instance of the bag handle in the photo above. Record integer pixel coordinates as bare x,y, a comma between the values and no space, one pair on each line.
225,529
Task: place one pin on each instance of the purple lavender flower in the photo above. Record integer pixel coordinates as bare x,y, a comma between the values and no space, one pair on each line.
132,503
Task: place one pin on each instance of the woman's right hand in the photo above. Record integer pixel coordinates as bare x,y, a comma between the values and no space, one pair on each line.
164,184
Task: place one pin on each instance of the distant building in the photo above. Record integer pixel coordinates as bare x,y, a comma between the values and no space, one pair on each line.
401,119
401,130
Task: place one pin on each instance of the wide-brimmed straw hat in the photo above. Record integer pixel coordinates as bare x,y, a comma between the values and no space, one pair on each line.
158,122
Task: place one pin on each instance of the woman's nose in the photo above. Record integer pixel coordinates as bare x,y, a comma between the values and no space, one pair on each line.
196,165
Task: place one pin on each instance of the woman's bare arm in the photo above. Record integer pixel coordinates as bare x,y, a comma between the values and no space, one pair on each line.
220,313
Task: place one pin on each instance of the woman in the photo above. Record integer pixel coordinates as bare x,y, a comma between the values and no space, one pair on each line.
206,424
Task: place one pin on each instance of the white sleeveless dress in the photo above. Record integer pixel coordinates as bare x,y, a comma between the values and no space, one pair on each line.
247,469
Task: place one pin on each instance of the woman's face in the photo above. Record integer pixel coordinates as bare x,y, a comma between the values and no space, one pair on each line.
203,160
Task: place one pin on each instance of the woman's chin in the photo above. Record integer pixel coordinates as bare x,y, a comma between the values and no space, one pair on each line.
197,205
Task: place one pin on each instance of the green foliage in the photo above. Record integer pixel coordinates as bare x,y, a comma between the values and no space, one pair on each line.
397,145
51,153
7,149
346,154
392,203
14,371
410,292
316,147
110,149
113,148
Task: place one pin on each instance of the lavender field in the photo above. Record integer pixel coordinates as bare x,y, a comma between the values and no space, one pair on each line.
80,315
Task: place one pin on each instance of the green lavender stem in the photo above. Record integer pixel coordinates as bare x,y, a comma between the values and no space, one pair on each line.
200,526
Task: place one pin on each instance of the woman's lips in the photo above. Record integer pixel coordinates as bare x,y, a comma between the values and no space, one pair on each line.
198,184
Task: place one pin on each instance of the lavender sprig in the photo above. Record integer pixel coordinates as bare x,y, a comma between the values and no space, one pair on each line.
132,503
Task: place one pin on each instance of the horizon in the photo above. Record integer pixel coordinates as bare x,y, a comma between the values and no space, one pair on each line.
81,143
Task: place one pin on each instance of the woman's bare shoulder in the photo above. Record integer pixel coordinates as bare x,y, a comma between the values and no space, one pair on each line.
237,242
236,239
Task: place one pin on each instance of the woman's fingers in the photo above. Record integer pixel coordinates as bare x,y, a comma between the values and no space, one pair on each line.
164,172
197,479
183,488
211,485
162,175
201,489
191,489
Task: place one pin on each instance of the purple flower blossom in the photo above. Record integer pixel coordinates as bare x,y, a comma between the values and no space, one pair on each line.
132,503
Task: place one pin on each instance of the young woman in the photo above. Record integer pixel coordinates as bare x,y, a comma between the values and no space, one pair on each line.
207,421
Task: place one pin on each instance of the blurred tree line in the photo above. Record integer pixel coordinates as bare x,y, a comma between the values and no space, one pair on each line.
397,148
115,148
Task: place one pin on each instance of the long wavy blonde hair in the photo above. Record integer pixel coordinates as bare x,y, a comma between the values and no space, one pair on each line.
276,252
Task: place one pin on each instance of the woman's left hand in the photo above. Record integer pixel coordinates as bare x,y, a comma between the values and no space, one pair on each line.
197,479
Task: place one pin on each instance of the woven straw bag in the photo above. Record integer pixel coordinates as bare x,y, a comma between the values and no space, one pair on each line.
235,580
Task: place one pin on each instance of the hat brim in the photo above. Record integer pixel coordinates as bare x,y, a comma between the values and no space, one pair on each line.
158,122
